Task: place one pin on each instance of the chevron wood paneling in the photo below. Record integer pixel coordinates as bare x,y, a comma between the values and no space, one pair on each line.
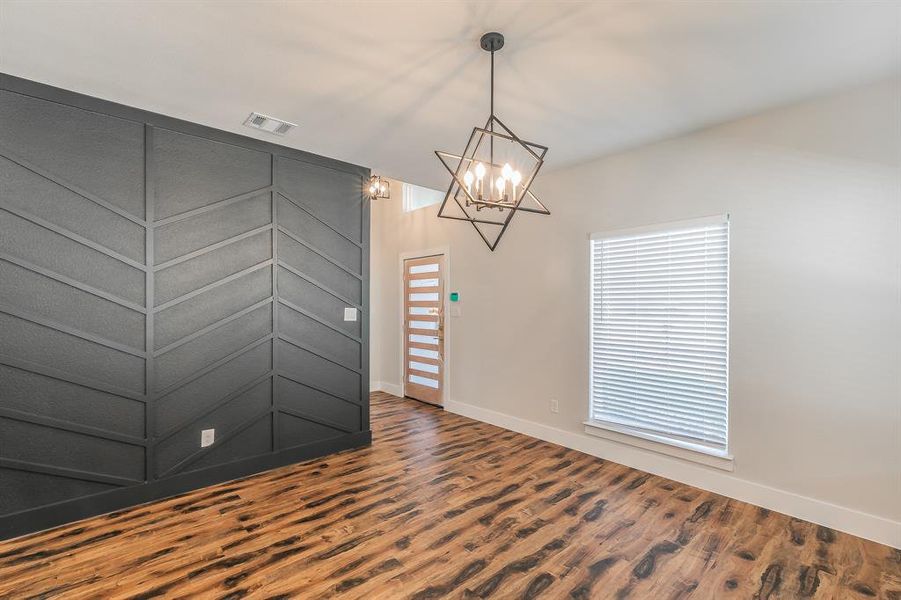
160,279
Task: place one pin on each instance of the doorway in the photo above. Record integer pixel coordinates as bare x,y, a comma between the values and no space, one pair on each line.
423,328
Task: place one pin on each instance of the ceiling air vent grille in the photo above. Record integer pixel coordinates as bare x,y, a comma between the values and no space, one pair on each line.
269,124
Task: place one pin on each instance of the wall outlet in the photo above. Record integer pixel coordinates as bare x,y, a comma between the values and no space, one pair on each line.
555,406
350,314
207,437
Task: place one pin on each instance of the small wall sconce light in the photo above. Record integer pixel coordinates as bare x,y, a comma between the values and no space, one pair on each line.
379,187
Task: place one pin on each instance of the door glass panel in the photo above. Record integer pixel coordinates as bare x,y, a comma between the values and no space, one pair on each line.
424,324
424,381
416,283
419,366
423,353
432,297
432,268
424,339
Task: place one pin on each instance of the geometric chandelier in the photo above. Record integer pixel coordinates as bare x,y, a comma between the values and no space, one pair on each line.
494,172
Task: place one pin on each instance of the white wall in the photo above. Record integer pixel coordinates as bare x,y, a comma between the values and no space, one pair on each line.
814,194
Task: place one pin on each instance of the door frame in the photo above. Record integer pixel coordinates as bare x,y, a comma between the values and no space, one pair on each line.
403,256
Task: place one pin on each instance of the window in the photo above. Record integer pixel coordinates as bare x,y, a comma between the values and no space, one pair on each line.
660,333
416,197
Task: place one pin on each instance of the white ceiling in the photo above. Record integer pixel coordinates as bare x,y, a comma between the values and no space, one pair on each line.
384,83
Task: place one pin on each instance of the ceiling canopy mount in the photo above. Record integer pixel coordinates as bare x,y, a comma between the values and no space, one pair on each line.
492,41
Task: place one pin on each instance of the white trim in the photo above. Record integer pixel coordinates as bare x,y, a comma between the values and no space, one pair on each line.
698,453
660,227
384,386
441,250
871,527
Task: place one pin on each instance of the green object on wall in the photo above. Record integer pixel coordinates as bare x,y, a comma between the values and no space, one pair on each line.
454,296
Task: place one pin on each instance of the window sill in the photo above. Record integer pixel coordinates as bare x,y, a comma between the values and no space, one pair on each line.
660,444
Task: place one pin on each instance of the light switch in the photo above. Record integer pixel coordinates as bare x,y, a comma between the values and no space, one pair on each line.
207,437
456,311
350,314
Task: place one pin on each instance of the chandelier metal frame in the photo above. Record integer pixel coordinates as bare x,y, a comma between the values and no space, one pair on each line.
458,190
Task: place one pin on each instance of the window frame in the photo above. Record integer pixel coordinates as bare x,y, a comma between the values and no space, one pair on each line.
407,190
659,442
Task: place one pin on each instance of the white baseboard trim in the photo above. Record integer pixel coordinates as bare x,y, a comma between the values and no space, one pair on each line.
871,527
388,388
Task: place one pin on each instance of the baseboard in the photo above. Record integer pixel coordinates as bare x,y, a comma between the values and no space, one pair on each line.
389,388
871,527
45,517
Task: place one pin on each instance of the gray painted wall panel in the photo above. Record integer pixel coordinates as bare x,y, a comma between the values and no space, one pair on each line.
42,345
53,398
98,153
318,235
193,399
294,431
69,450
305,366
252,441
305,400
324,192
19,489
30,193
316,301
211,267
226,419
313,265
44,248
47,298
133,316
194,233
193,171
205,309
187,359
330,343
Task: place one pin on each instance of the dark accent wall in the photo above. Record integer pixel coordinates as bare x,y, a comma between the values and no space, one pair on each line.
158,278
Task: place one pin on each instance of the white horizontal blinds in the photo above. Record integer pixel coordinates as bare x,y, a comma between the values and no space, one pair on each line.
659,331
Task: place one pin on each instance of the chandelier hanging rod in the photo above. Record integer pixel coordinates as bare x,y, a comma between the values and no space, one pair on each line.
492,41
492,78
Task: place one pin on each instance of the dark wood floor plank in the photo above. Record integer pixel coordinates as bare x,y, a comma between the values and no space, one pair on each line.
445,507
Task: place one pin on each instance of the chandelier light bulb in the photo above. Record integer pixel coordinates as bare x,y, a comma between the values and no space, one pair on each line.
500,184
480,170
507,171
515,178
467,179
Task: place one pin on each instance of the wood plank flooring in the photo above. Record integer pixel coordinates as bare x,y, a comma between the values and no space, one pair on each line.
445,507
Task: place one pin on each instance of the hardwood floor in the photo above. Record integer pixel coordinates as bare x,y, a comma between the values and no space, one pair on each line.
443,506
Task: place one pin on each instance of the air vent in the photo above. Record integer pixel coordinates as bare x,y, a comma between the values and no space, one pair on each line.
269,124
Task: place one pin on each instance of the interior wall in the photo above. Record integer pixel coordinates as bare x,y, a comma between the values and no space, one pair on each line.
814,196
160,279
